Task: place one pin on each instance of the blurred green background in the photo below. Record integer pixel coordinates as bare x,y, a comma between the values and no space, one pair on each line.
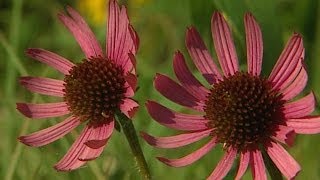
161,25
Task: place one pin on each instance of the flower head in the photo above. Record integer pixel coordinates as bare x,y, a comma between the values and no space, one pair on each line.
92,91
245,112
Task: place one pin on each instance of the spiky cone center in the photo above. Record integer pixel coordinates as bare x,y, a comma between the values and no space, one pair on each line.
94,89
243,110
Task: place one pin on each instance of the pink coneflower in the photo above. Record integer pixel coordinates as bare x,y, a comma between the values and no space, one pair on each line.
93,90
245,112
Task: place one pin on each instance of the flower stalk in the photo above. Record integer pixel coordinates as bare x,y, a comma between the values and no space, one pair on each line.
132,138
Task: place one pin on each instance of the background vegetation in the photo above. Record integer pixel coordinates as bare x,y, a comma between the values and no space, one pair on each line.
161,25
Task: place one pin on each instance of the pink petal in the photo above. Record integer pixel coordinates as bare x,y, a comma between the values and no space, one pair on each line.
285,135
307,125
45,86
244,161
175,141
223,44
300,108
59,63
176,120
129,90
84,38
129,107
132,81
257,166
43,110
187,80
53,133
201,56
189,159
95,49
70,160
297,85
224,165
135,38
97,141
176,93
288,60
254,45
121,38
282,159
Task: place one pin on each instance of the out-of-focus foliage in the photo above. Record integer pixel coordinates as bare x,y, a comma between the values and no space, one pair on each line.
161,25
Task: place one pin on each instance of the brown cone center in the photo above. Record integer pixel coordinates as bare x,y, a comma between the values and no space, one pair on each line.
94,89
243,110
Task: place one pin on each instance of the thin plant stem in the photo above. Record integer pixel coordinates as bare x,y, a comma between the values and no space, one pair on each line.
132,138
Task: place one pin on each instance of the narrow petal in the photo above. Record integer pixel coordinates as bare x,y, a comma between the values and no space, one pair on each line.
70,160
131,84
189,159
97,142
223,44
282,159
300,108
51,59
257,166
254,45
43,110
175,141
129,107
176,120
187,80
296,86
45,86
285,135
243,165
307,125
53,133
84,39
95,49
224,165
176,93
112,29
121,38
201,56
288,60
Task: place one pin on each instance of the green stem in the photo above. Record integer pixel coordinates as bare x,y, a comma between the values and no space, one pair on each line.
132,138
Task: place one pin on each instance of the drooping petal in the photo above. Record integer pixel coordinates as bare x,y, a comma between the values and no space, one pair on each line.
53,133
285,135
45,86
189,159
129,107
296,86
224,45
132,80
300,108
307,125
43,110
288,60
70,160
187,80
243,165
254,45
176,120
97,141
224,165
112,29
201,56
257,166
176,93
95,49
59,63
282,159
175,141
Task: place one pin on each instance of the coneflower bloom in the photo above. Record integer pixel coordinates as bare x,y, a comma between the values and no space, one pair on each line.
92,91
247,113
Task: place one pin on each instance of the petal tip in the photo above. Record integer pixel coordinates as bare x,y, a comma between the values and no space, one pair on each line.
23,109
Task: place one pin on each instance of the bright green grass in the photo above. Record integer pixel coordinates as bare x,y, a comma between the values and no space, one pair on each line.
161,26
